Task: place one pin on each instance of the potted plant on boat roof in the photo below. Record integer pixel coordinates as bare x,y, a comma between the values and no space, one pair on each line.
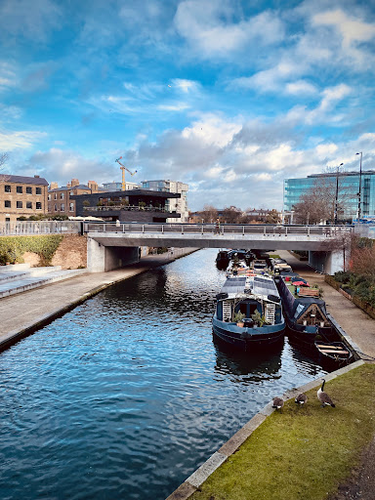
238,318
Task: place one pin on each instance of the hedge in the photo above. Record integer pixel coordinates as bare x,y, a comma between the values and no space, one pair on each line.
12,248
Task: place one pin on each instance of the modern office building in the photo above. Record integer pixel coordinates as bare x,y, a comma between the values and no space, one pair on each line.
349,187
22,197
174,205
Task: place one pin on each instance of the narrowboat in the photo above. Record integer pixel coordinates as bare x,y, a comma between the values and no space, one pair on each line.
248,313
305,312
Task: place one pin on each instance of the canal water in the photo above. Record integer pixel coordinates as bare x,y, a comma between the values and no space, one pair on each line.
126,395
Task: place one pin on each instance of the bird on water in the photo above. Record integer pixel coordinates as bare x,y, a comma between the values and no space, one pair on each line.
323,396
301,399
277,403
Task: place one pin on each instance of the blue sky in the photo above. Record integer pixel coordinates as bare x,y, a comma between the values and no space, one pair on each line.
230,97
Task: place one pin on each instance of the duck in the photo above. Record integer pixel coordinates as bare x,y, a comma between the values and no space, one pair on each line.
323,396
277,403
301,399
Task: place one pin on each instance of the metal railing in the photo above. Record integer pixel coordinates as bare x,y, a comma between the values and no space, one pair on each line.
29,228
211,229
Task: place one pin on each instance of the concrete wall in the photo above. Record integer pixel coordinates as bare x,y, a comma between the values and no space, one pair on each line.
102,259
328,262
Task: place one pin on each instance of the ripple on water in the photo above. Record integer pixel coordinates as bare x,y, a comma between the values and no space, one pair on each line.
126,395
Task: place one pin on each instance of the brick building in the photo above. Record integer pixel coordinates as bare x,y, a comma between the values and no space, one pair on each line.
59,198
22,197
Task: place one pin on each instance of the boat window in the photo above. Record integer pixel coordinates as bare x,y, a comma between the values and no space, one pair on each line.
219,310
248,307
299,309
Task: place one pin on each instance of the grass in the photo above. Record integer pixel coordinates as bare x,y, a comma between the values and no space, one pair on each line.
301,452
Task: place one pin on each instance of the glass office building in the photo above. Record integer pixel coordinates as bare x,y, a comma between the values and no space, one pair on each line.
348,189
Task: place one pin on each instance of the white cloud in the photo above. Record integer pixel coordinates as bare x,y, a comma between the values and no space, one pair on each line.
352,30
182,106
300,87
215,29
212,129
58,165
20,139
186,86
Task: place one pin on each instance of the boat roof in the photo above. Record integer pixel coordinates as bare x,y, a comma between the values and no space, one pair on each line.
258,285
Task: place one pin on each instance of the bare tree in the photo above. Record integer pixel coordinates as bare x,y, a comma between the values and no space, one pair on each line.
232,215
209,213
319,203
363,258
4,157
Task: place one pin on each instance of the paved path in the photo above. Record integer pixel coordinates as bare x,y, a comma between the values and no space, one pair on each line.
357,324
25,312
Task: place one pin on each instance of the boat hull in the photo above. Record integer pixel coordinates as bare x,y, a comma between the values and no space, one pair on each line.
248,339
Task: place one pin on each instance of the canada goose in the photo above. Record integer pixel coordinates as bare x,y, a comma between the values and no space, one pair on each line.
277,403
323,396
301,399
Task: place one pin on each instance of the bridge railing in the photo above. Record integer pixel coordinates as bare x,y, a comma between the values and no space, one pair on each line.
266,230
29,228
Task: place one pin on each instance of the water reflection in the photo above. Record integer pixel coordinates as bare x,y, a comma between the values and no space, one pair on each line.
126,395
247,366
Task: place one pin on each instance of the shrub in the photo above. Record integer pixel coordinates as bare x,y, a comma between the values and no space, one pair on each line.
343,276
13,247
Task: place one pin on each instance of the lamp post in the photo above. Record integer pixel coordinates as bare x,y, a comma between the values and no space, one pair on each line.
360,186
337,191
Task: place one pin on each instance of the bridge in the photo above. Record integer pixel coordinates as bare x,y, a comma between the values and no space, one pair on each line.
113,245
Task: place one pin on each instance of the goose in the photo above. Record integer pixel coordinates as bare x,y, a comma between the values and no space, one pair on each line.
323,396
277,403
301,399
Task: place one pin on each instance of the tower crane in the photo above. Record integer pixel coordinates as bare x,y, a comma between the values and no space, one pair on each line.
123,168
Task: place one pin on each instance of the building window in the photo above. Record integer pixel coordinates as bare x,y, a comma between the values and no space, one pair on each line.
38,190
19,204
55,207
71,207
49,197
7,188
62,208
71,193
7,204
55,196
19,189
29,204
61,196
38,205
29,190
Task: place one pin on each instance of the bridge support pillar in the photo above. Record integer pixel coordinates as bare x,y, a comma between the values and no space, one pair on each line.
328,262
102,259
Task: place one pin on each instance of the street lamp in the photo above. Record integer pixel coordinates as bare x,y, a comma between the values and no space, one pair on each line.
360,186
337,191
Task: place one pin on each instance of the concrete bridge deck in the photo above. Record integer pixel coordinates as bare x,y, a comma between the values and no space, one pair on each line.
251,236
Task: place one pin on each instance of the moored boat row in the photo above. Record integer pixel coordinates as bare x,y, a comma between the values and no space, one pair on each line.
262,299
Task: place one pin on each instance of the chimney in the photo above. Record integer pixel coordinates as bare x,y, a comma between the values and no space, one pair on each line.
53,185
93,186
36,176
75,182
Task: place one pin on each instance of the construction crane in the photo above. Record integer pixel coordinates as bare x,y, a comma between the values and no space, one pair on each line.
123,168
